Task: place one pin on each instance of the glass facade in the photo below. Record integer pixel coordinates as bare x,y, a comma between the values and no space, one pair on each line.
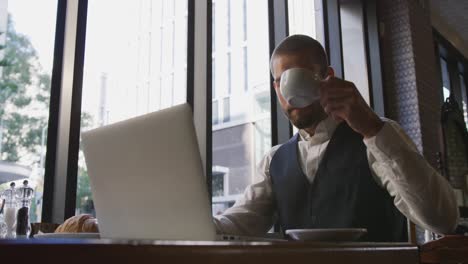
139,67
464,98
241,96
354,46
27,35
305,17
445,78
136,62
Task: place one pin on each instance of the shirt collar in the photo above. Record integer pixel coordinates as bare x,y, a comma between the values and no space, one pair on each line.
323,132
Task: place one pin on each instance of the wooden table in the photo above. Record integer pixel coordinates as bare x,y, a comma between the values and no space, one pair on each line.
449,249
124,251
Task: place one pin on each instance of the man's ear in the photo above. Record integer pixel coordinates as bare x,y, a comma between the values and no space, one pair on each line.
330,72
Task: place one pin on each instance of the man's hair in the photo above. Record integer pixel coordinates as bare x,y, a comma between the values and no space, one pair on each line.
302,44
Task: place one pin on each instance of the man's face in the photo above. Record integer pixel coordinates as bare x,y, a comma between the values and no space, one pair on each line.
300,117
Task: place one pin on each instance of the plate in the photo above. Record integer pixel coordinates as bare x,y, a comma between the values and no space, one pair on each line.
328,234
67,235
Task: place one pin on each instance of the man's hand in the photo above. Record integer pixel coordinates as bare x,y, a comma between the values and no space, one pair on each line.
342,101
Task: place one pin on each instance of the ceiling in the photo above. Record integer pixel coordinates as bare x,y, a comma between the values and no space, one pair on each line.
454,14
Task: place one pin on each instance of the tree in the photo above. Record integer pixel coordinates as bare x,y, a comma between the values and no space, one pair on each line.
83,193
24,105
24,99
24,102
84,201
2,47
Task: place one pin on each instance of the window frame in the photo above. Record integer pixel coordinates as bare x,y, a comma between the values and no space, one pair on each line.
456,64
59,204
373,56
54,113
278,30
75,118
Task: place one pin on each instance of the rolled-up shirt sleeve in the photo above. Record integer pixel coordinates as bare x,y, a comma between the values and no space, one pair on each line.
419,191
253,213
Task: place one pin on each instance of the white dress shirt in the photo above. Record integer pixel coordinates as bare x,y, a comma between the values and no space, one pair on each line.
419,192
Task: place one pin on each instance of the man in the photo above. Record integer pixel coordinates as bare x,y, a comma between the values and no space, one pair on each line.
346,168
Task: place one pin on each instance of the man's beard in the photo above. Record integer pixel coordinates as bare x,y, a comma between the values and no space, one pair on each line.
307,117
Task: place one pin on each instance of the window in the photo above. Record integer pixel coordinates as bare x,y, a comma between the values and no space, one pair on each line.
213,29
139,67
354,47
246,105
227,110
445,78
464,98
215,118
246,68
213,73
27,30
219,186
228,22
220,189
244,19
302,17
229,72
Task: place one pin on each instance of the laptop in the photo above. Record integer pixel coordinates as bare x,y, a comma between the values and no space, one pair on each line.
147,178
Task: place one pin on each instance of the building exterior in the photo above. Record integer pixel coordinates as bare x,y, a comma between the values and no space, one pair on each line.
241,96
3,27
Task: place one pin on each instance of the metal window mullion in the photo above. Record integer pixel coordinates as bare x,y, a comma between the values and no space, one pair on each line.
53,123
75,117
333,39
55,193
190,51
454,80
281,129
374,65
464,73
202,106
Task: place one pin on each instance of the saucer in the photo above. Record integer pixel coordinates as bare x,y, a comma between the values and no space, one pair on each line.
327,234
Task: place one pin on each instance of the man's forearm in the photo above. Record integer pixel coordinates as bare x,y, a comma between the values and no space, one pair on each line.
252,214
421,193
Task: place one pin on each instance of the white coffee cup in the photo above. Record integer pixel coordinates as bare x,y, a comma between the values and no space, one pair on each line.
300,87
